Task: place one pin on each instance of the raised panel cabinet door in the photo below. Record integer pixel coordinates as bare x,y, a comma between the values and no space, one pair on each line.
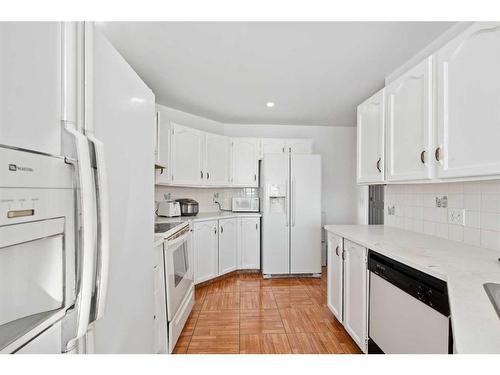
163,132
273,146
370,139
469,103
187,155
216,160
249,240
409,124
160,305
245,162
298,146
356,293
205,250
335,269
228,245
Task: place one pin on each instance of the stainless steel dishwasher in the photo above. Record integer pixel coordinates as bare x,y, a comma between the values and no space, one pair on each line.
409,309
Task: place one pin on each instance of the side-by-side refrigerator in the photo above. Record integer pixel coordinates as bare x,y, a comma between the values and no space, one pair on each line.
291,214
76,193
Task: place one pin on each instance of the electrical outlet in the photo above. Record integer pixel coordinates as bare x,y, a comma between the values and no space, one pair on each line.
456,216
216,197
391,210
442,201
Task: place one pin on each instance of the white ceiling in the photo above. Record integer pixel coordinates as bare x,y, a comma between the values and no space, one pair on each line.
316,73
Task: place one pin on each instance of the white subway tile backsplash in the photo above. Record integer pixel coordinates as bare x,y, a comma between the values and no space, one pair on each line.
416,210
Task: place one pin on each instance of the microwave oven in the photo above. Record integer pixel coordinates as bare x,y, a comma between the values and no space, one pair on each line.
240,204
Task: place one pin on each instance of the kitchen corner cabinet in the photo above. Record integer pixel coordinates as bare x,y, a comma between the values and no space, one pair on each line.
206,250
370,139
409,124
249,243
245,154
228,245
216,168
468,92
187,155
356,293
335,273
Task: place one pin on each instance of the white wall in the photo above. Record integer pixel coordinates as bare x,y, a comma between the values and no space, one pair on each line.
337,147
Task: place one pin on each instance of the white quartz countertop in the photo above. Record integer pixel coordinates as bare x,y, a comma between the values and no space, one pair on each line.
204,216
465,268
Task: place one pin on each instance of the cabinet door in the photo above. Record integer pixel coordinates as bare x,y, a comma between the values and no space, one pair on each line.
370,134
160,304
298,146
272,146
469,103
187,155
335,275
216,170
206,250
162,151
228,245
249,243
409,124
356,293
245,162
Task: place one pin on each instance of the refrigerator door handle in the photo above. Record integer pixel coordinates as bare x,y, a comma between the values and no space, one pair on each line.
86,187
103,228
287,205
292,205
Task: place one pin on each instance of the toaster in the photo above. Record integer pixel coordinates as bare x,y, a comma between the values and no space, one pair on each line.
169,209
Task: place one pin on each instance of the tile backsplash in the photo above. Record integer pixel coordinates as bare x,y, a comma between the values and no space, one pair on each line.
205,196
435,209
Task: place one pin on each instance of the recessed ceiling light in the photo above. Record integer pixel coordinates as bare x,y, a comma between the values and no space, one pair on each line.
270,104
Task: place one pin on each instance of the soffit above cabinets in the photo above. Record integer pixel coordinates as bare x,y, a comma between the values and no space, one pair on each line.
315,72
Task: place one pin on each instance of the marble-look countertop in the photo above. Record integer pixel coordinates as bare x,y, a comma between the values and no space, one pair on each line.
465,268
204,216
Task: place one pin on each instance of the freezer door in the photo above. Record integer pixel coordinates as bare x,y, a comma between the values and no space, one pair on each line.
305,214
275,214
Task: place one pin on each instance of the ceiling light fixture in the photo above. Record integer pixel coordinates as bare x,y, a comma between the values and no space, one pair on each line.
270,104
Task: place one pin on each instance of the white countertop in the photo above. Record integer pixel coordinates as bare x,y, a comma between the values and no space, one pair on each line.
204,216
465,268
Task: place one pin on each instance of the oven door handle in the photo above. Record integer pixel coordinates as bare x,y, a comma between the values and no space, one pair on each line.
174,242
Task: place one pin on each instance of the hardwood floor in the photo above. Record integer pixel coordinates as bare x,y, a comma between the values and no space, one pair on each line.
243,313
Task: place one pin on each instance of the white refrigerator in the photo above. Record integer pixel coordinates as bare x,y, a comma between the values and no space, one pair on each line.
291,214
67,92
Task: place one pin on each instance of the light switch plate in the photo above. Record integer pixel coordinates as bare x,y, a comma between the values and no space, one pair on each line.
456,216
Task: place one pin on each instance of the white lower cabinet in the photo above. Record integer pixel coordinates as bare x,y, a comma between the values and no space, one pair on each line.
206,250
160,316
228,245
356,293
249,243
335,274
225,245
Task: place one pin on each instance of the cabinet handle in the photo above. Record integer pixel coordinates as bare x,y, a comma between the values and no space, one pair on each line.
208,175
283,150
378,164
422,157
289,149
221,229
256,226
255,177
337,250
437,154
343,255
215,230
201,174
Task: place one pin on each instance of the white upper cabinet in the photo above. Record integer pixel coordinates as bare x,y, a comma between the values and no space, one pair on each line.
409,124
187,155
245,153
468,70
272,146
228,245
216,169
162,150
298,146
370,139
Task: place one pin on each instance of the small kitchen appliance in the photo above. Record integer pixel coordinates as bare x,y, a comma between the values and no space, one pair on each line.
245,204
169,208
189,207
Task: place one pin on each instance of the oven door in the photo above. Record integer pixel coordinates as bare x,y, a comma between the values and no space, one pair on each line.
32,274
178,270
